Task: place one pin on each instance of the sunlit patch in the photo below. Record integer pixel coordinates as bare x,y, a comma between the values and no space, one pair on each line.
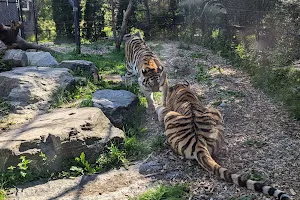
217,70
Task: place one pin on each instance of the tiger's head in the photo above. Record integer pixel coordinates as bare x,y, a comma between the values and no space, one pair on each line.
153,75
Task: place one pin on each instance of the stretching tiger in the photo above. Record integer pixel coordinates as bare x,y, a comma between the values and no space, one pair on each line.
141,61
196,132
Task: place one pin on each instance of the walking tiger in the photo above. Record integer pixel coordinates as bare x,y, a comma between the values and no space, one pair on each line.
141,61
196,132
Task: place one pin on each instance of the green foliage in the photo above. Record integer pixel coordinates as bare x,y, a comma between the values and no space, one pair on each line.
255,143
165,192
202,73
111,63
4,67
17,174
4,108
114,158
158,142
256,176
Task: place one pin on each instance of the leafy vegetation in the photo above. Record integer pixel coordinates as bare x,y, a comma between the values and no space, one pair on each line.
4,108
165,192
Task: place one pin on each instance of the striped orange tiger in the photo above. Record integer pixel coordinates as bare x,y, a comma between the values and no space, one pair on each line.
196,132
142,62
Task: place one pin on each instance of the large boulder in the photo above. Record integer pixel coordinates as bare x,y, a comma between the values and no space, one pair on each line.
82,68
41,59
15,58
60,135
33,85
118,105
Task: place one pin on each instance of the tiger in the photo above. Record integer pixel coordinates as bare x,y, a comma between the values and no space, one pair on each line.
144,63
196,132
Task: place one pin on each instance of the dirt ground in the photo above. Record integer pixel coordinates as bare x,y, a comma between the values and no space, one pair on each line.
261,139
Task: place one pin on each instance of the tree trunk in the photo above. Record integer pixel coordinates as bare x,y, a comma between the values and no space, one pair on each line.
126,16
147,29
113,20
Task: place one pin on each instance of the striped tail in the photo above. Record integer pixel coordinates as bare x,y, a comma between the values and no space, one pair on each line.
207,162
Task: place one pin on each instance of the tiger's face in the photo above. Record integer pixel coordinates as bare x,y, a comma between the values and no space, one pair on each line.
152,75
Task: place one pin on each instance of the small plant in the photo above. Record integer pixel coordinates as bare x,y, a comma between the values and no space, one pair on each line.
4,107
255,143
202,74
198,55
113,158
163,192
84,166
158,142
256,176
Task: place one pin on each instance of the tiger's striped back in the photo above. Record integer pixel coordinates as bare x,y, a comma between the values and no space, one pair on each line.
196,132
142,62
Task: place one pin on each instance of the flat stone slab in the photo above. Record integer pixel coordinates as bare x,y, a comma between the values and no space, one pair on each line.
61,135
113,185
41,59
82,68
117,105
33,85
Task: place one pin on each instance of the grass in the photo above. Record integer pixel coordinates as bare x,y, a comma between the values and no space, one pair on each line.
254,143
202,73
256,176
110,63
4,107
165,192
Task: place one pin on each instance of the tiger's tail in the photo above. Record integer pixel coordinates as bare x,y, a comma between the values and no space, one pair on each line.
207,162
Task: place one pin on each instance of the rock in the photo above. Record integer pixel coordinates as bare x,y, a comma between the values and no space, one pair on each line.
2,48
60,135
33,85
118,105
41,59
15,58
82,68
151,167
118,184
113,78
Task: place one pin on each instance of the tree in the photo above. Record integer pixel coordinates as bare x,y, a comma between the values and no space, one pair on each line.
94,20
126,16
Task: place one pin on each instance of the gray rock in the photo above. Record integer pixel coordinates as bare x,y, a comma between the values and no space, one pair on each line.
60,135
33,85
41,59
15,58
151,167
118,105
82,68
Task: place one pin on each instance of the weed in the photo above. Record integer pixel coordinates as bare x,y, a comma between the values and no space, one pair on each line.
175,192
255,176
255,143
113,158
84,166
158,142
231,93
198,55
202,73
4,108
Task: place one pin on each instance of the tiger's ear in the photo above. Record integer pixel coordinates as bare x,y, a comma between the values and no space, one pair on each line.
144,71
186,83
